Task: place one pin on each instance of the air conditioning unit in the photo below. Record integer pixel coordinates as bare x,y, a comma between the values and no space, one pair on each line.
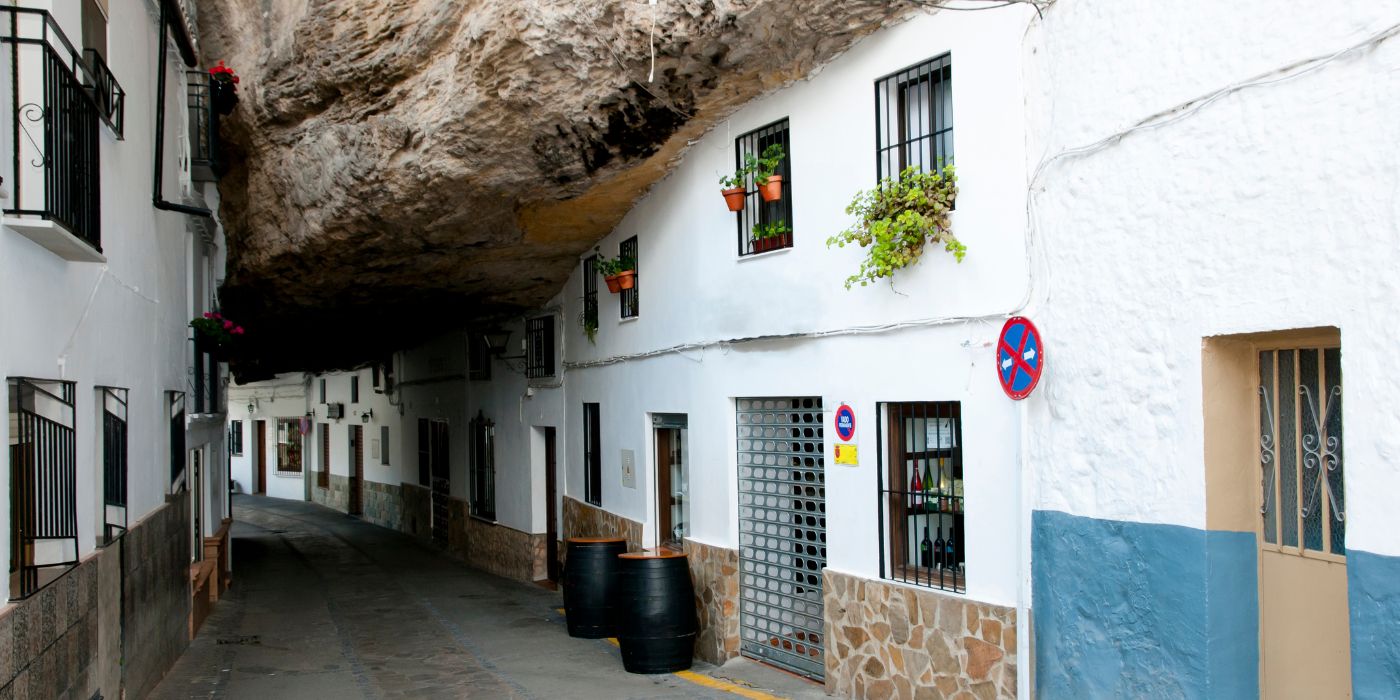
335,411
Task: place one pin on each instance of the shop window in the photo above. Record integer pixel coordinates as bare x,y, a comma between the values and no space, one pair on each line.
921,495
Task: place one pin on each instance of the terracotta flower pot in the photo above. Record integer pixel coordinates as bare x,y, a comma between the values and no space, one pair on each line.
621,281
773,189
763,245
735,197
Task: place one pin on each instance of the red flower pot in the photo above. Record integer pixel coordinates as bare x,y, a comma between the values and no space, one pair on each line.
773,189
763,245
735,197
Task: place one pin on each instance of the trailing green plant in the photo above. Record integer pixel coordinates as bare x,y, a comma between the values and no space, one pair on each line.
589,326
608,267
773,230
897,219
761,167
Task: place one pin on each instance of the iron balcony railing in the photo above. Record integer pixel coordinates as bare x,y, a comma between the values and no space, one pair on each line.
205,379
57,98
43,483
204,127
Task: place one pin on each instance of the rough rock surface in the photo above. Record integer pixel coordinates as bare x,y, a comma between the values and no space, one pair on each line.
399,168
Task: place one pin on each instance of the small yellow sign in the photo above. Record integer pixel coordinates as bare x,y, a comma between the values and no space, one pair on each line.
846,454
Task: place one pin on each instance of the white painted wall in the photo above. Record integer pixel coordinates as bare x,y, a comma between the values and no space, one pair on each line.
280,398
696,293
120,323
1268,209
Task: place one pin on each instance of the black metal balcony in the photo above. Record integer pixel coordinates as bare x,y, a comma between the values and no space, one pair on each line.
58,97
204,128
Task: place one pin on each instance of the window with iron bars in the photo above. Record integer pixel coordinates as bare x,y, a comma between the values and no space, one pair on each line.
914,118
592,455
921,495
175,403
114,461
289,445
630,300
590,294
759,216
235,437
483,467
323,477
43,478
354,388
539,347
478,358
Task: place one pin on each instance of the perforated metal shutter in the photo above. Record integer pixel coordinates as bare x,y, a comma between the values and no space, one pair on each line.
782,532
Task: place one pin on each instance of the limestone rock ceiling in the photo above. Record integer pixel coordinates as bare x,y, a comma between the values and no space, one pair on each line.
400,168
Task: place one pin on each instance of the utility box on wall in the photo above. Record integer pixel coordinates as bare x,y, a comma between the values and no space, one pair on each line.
335,411
629,469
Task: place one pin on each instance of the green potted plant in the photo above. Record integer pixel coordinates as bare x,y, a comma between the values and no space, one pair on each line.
734,191
589,326
897,219
620,272
772,236
770,185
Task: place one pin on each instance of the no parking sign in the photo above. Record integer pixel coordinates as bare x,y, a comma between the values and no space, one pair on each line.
845,423
1020,357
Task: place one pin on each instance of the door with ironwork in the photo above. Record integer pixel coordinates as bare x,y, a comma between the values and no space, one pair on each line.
1305,646
782,532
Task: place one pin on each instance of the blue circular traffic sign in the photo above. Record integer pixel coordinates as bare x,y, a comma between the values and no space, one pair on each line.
1020,357
845,423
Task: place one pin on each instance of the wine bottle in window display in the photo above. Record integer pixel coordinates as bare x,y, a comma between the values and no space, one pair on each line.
916,492
937,548
950,558
930,492
926,551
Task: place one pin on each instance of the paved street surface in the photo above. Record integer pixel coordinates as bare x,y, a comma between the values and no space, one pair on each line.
325,606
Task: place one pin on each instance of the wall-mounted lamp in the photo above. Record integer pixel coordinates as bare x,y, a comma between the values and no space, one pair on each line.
496,341
364,417
250,408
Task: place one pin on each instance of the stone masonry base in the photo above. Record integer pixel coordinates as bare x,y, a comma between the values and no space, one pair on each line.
715,571
887,641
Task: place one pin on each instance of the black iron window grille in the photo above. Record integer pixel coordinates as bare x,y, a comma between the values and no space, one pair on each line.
235,437
203,126
54,167
478,358
354,388
384,444
914,118
43,481
483,467
762,223
592,455
323,477
206,378
590,293
630,301
539,347
922,535
289,445
114,461
323,390
175,402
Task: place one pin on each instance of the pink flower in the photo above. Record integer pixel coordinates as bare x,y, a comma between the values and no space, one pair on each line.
238,330
208,315
228,325
215,315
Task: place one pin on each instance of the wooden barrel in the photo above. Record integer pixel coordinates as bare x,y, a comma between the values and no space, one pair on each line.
655,603
590,575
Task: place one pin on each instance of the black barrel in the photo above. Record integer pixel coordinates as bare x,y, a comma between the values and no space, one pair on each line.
655,605
590,577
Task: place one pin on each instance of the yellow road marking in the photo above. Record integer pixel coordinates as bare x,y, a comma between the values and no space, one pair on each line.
709,682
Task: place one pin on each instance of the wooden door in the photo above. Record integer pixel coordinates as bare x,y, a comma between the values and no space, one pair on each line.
260,478
1304,625
357,470
665,502
439,472
551,510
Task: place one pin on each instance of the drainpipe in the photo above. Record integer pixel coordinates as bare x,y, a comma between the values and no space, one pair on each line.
159,177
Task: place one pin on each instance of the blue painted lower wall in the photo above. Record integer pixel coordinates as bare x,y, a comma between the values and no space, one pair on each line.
1134,610
1373,595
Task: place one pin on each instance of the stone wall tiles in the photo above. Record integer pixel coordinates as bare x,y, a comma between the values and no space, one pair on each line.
584,520
715,572
887,642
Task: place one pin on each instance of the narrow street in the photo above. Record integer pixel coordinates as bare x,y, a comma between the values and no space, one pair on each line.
325,606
